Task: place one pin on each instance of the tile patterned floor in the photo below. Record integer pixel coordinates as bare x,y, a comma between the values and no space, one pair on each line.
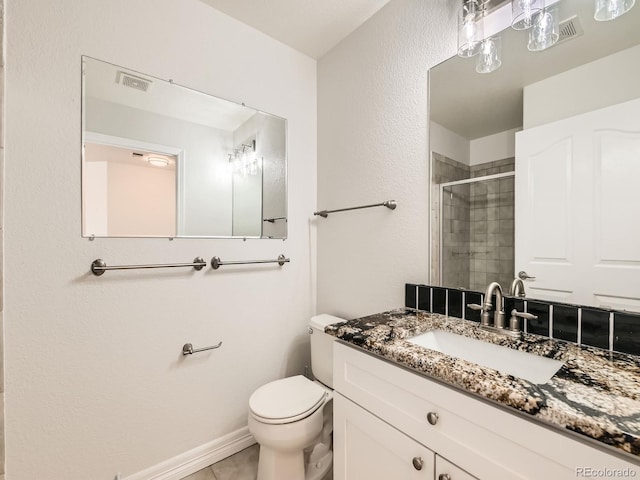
241,466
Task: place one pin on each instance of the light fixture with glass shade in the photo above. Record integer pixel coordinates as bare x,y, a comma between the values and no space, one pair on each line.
158,161
612,9
524,13
539,16
244,160
489,59
545,31
470,31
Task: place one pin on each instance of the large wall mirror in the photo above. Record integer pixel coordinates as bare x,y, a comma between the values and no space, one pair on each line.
536,165
162,160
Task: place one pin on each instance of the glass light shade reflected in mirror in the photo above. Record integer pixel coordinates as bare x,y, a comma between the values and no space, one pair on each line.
489,58
524,13
611,9
158,161
470,30
545,31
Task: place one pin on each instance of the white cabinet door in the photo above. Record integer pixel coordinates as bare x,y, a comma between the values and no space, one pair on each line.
577,208
365,447
445,470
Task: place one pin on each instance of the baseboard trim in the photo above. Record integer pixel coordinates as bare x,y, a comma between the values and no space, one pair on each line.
197,458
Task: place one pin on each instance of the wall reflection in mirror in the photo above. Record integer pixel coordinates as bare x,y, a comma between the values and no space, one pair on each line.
162,160
535,165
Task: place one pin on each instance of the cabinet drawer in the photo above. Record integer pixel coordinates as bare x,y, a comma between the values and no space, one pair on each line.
365,447
479,437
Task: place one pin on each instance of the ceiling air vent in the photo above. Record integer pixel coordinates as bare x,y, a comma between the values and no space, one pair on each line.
569,29
132,81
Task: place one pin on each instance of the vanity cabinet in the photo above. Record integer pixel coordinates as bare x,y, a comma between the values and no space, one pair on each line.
385,416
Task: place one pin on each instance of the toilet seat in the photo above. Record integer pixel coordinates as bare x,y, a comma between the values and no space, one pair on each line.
287,400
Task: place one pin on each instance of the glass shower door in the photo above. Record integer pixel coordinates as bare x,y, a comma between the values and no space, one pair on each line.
477,232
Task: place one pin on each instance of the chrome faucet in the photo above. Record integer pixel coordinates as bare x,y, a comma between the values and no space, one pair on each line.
499,319
498,314
517,288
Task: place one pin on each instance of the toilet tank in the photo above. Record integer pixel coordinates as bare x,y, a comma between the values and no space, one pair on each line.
322,348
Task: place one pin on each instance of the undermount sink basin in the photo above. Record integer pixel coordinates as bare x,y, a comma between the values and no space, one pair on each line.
524,365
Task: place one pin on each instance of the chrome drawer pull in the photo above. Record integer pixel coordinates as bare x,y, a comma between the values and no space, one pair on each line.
418,463
444,476
432,418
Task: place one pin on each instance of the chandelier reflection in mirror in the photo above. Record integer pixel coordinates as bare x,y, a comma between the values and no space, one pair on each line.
540,17
245,161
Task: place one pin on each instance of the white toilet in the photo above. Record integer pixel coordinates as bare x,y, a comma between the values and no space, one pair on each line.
292,418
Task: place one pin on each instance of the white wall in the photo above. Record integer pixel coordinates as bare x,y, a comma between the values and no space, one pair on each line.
247,205
95,380
448,143
570,93
372,146
493,147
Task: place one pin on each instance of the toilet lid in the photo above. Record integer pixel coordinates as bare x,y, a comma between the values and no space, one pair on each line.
287,398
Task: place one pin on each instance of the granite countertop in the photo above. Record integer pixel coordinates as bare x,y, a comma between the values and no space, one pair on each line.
595,393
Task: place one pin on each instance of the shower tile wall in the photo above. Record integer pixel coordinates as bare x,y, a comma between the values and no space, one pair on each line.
491,168
491,252
478,224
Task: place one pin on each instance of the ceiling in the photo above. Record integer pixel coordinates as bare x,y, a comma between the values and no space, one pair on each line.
492,102
104,81
312,27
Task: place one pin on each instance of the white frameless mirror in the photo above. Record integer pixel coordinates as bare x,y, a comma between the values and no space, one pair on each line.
535,166
162,160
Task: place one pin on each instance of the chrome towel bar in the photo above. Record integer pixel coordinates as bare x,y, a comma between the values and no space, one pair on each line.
273,219
217,263
98,266
390,204
187,348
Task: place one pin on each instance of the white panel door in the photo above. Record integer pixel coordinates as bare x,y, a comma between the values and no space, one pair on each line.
577,208
365,447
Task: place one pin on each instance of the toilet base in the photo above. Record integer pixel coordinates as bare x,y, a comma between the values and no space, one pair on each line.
319,469
290,465
279,465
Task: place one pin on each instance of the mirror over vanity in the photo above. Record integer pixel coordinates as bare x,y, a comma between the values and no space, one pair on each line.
163,160
536,165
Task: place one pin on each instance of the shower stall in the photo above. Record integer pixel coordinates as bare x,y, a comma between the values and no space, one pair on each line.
476,231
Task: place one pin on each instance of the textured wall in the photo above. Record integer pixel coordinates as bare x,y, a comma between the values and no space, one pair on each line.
372,146
95,380
2,126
